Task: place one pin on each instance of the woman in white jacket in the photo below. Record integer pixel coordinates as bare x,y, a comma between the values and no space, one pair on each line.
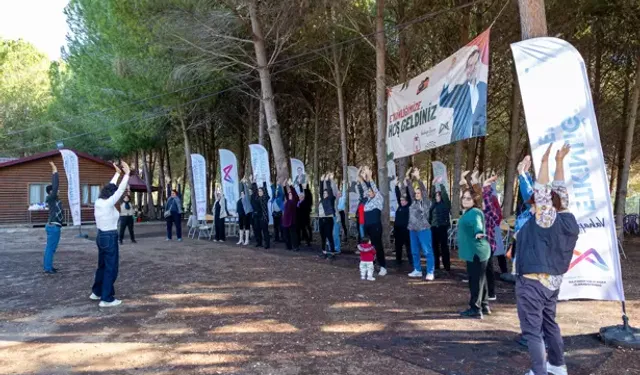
107,216
219,214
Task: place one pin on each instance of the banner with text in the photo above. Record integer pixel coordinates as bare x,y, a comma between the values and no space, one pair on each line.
440,171
199,170
72,170
298,174
352,189
230,182
558,107
445,104
260,168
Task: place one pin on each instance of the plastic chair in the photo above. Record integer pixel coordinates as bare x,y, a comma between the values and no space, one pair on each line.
204,228
192,224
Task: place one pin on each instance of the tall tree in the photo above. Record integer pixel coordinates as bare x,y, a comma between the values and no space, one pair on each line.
381,113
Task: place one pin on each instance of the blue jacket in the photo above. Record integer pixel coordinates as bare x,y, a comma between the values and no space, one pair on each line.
526,191
466,123
278,195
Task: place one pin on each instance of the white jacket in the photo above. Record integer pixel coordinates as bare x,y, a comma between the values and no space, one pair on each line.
223,207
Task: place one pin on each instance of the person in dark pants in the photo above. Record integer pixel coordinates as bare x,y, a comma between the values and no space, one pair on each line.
474,249
373,217
260,203
401,223
126,218
219,214
245,221
54,221
277,206
303,215
289,229
106,216
172,213
342,202
326,211
492,217
547,242
440,219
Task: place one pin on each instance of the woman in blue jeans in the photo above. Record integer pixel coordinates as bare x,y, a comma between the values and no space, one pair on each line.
174,207
107,217
419,227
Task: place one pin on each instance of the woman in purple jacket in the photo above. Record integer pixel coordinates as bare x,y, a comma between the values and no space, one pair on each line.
289,229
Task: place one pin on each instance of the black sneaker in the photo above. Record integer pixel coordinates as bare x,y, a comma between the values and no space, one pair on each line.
51,272
134,241
486,310
472,313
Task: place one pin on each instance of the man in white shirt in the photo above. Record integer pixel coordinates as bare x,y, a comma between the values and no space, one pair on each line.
107,216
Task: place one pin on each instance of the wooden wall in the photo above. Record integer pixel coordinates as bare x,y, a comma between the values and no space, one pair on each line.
15,180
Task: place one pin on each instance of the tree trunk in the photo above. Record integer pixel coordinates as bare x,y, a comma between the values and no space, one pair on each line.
161,178
372,129
316,121
168,159
261,121
381,96
622,132
621,192
277,147
343,123
533,24
403,54
514,137
189,171
150,209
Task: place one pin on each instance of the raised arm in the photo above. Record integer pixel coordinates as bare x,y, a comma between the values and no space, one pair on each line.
545,212
423,189
55,179
122,187
558,186
398,193
491,217
409,200
266,190
445,196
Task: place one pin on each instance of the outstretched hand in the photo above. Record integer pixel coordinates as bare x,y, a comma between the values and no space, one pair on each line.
463,179
54,169
416,173
125,168
562,152
475,178
545,157
118,170
524,165
489,181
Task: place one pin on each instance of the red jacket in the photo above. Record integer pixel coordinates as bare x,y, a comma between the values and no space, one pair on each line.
367,252
361,214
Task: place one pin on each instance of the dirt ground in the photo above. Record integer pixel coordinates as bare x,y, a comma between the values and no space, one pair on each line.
200,307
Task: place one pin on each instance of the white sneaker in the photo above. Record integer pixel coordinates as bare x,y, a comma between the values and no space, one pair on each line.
382,272
530,372
93,297
492,298
429,277
556,370
114,303
415,274
371,278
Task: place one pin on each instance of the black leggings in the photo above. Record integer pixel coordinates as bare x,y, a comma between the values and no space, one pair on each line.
374,231
326,233
477,272
245,221
343,220
440,236
402,238
291,238
126,222
220,235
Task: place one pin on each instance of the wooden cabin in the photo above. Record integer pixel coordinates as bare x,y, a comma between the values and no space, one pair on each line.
23,182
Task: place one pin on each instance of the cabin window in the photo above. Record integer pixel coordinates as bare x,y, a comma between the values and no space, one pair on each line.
90,194
37,193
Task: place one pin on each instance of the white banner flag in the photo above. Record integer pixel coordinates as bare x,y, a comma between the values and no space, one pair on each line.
354,195
199,169
72,170
440,171
393,200
229,174
445,104
298,174
559,108
261,171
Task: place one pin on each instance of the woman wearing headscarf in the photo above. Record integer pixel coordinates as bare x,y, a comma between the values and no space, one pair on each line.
107,216
126,218
219,214
289,227
172,213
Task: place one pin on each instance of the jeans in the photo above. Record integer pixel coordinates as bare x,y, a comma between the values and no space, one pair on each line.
326,233
537,313
421,240
108,261
126,222
220,235
361,230
441,246
477,271
174,219
262,233
374,231
277,228
402,238
336,235
53,238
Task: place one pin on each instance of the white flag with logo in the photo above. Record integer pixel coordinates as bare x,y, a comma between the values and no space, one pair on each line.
229,173
199,169
440,171
559,108
261,171
72,170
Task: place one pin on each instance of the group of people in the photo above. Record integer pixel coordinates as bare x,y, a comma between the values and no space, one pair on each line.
545,232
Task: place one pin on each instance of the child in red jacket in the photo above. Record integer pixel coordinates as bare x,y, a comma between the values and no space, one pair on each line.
367,256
